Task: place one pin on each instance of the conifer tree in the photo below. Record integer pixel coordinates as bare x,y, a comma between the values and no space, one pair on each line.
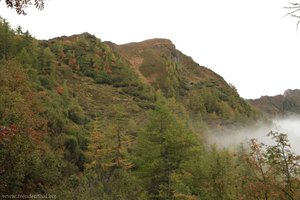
109,157
163,149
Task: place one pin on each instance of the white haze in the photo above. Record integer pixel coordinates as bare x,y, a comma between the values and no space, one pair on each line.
231,138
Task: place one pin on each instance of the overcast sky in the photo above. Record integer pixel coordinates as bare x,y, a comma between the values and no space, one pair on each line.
248,42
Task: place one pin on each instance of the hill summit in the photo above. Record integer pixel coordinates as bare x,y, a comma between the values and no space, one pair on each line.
202,92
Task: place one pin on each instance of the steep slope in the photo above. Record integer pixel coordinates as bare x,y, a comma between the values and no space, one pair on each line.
203,93
288,103
98,79
77,116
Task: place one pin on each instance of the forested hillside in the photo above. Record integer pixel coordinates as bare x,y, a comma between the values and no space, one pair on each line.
204,94
85,119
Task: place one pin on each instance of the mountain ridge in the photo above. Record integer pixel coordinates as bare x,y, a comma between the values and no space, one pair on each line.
279,105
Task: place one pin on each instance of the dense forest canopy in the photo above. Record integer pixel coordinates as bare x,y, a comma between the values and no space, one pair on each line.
79,119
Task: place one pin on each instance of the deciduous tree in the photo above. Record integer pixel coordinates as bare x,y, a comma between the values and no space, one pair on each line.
21,5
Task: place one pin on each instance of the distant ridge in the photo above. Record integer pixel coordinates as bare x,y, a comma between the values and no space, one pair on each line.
283,104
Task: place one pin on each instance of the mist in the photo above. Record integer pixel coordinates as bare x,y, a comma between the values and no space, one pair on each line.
231,138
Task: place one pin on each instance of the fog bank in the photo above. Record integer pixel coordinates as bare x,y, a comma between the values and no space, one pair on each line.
231,138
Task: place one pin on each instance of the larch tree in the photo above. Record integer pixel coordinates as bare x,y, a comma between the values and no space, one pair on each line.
164,149
109,159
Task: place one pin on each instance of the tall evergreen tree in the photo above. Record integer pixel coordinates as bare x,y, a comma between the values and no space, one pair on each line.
163,148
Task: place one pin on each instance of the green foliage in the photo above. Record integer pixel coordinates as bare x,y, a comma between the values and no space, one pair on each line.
72,152
25,167
102,78
18,101
220,175
172,82
76,115
142,147
6,41
46,59
109,159
162,148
